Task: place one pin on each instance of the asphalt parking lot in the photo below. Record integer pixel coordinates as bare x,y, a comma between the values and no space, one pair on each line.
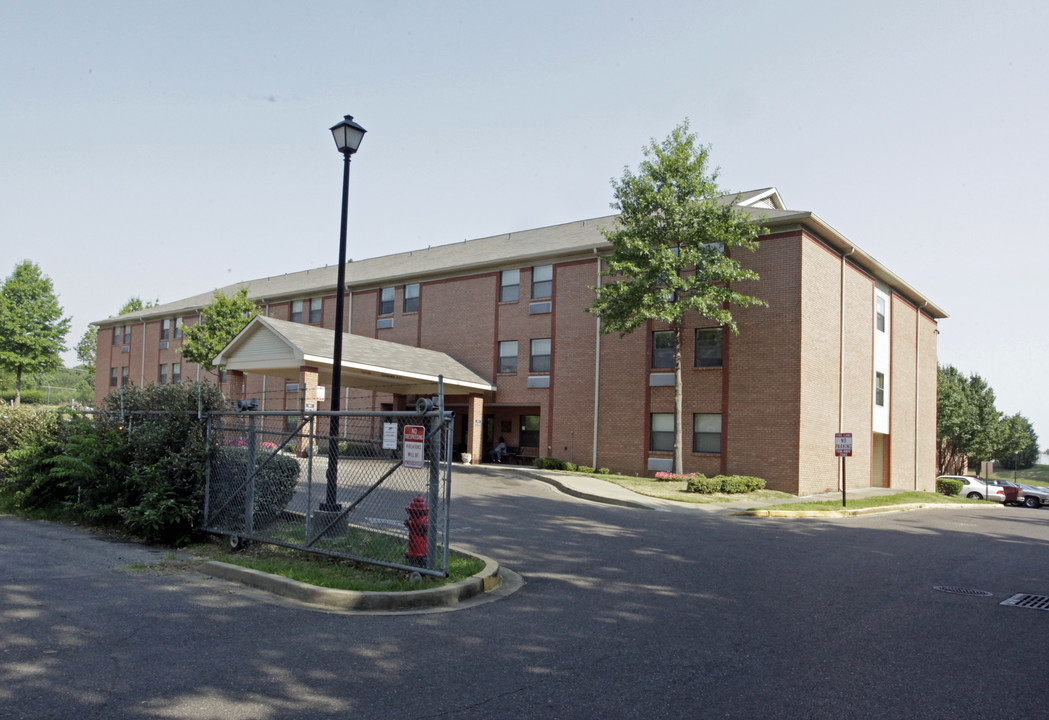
624,612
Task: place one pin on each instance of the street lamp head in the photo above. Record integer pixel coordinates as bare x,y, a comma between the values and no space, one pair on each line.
348,136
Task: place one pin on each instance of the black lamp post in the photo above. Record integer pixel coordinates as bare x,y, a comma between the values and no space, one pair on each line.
348,136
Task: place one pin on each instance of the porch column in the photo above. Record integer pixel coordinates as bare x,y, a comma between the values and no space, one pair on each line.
308,384
475,435
235,378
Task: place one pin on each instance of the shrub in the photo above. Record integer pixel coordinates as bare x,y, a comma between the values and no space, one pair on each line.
275,479
571,467
21,427
663,476
550,463
699,483
729,484
949,486
585,469
603,471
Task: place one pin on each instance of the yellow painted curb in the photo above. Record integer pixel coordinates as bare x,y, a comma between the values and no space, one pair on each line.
858,511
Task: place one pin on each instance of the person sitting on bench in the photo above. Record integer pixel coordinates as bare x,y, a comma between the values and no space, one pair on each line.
499,452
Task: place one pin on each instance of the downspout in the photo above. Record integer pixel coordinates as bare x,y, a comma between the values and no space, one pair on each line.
142,371
264,376
841,351
597,373
917,384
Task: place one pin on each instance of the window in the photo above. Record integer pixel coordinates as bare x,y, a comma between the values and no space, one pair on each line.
386,301
509,285
116,335
706,433
123,376
411,298
165,329
113,377
176,372
661,438
879,313
508,356
529,436
162,376
316,305
879,389
178,327
540,356
709,346
296,311
542,281
127,334
663,349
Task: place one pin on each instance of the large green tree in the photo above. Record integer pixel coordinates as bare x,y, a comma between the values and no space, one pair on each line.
1017,446
220,321
671,249
967,422
32,329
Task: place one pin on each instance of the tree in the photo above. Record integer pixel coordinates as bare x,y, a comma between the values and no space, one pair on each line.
967,423
135,303
1017,447
32,329
219,323
671,249
87,350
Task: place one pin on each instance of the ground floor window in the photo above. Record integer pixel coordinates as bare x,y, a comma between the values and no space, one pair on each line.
529,436
113,377
176,372
706,433
661,437
162,376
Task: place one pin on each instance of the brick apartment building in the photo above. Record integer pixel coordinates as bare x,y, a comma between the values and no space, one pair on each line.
843,346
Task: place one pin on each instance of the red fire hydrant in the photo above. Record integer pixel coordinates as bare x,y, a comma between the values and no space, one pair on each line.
418,524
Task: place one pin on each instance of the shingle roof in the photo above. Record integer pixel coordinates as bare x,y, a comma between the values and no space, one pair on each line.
366,362
526,247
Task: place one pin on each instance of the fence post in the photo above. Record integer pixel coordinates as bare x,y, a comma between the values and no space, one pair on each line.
249,468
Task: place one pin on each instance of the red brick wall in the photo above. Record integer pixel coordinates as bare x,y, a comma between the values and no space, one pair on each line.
763,366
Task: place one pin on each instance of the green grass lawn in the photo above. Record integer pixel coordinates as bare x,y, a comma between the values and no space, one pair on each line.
675,490
1036,475
320,570
903,498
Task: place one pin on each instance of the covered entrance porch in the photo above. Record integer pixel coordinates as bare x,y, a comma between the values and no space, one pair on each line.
302,355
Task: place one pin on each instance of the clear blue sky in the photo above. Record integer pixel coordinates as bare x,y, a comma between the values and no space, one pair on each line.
161,149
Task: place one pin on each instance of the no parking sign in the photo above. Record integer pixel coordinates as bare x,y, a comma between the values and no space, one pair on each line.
414,437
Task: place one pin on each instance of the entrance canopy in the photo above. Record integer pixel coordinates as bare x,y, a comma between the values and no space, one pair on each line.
280,348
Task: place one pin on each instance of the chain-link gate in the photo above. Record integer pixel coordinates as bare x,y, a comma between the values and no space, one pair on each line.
379,495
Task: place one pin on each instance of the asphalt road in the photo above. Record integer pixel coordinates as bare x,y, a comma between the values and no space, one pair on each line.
625,613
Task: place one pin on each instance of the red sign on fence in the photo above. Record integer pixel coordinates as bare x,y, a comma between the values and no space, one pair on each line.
414,437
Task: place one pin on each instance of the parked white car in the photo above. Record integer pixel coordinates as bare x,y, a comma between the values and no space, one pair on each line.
980,489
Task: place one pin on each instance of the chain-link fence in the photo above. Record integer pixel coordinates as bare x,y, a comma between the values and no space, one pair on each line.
379,495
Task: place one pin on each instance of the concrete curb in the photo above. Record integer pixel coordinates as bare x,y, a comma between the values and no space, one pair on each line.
772,512
583,495
485,581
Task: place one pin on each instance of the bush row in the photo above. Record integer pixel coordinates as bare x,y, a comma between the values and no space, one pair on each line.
729,484
138,465
552,463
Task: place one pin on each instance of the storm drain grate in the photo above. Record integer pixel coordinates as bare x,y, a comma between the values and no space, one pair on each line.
963,591
1035,602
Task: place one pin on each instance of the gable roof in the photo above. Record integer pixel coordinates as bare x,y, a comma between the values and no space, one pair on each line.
280,348
567,241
